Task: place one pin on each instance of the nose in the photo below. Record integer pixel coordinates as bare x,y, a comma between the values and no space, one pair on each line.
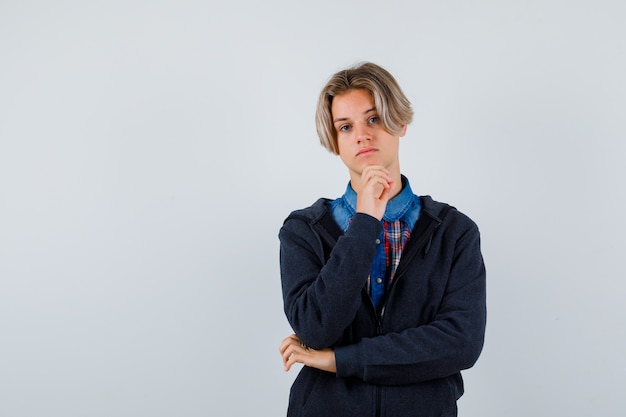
362,133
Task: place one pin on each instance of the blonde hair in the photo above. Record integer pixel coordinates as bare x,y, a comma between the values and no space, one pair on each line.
393,108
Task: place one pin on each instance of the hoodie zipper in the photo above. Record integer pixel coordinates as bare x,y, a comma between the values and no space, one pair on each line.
379,313
378,317
379,331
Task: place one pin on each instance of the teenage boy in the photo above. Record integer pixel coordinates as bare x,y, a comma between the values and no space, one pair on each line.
384,290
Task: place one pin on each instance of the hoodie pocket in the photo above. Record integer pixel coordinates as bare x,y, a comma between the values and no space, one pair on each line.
317,393
302,389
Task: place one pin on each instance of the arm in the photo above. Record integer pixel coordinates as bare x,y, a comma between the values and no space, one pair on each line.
322,297
450,342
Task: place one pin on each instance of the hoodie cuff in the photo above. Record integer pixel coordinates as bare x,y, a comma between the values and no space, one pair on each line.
364,226
349,361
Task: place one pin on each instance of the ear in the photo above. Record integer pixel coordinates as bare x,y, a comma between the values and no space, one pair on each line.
403,131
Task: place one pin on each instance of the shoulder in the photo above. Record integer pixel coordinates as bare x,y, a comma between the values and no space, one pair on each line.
308,227
451,218
310,214
306,221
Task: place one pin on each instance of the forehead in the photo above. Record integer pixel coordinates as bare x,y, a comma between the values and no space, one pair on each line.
356,101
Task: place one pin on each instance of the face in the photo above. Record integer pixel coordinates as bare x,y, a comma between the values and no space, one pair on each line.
361,136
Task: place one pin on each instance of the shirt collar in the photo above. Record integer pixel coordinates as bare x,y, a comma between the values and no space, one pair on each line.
396,207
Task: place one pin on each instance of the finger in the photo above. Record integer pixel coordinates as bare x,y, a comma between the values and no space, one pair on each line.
385,195
287,341
375,171
377,186
287,352
290,351
299,354
376,175
289,362
375,168
291,357
296,353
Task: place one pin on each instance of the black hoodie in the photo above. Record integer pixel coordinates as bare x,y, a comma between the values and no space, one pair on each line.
405,358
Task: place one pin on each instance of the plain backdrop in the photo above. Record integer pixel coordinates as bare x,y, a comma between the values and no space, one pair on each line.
150,150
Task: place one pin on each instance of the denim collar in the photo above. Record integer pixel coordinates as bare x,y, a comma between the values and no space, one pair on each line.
397,207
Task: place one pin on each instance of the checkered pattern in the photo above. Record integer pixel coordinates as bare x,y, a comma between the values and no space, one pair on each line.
395,235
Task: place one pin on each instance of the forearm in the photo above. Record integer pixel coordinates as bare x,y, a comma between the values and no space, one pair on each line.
321,296
446,344
415,355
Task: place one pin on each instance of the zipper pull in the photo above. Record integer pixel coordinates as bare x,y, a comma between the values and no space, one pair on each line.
379,321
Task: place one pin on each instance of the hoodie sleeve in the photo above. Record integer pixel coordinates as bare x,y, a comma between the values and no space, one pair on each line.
321,297
447,344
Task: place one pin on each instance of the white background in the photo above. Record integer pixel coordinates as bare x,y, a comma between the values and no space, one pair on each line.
149,152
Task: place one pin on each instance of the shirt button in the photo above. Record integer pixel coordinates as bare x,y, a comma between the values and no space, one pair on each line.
378,241
379,280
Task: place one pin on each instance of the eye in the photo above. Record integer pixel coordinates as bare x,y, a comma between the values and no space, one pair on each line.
373,120
344,128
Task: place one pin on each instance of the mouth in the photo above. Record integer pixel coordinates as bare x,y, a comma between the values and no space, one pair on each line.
366,151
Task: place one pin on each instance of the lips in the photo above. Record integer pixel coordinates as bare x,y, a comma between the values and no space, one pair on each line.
366,151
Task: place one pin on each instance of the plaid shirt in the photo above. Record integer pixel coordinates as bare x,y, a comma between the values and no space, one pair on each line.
400,216
389,248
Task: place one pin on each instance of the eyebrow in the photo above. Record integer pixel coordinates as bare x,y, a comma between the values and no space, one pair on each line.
341,119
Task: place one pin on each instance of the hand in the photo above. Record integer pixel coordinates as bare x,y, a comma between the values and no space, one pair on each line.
375,192
294,351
